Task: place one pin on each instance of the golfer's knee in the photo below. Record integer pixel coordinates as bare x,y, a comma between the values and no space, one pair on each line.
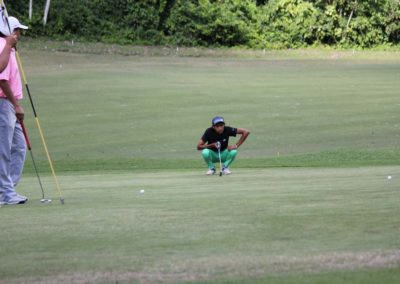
206,154
233,153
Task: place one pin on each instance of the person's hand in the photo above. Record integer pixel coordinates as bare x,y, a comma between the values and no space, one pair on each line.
12,40
217,145
19,112
232,147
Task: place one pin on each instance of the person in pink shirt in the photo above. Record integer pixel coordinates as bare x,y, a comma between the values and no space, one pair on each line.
11,42
12,141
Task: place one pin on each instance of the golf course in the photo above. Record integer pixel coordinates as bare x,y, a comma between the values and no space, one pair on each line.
314,194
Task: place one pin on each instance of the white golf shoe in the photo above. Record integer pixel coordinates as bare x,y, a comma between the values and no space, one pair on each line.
15,200
22,197
210,172
226,171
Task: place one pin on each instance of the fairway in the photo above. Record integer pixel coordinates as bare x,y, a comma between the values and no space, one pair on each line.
308,201
143,109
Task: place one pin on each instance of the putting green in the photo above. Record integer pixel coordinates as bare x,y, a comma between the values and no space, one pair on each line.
187,226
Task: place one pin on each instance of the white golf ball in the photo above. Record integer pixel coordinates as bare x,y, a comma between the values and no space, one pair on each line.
389,177
142,191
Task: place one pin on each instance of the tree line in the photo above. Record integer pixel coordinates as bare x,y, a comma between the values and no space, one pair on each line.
245,23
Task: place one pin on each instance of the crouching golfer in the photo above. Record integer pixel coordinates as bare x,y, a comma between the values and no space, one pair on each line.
218,135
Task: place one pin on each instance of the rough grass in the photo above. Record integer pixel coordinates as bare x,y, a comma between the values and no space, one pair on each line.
171,51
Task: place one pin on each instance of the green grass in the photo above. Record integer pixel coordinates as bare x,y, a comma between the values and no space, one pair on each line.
255,224
308,201
358,277
156,108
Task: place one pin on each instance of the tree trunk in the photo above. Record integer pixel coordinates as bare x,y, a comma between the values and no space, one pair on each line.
164,15
30,9
348,22
158,4
354,8
46,12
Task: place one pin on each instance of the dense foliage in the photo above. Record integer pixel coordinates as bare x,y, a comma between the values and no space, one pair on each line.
249,23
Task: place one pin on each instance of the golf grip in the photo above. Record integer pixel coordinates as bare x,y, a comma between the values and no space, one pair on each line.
28,144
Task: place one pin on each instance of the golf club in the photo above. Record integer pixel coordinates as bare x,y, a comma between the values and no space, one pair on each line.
4,9
218,144
28,144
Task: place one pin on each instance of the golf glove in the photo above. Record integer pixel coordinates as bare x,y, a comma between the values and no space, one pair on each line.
218,145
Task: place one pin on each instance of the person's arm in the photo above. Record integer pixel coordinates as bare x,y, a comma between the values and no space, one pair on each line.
11,42
244,133
19,111
202,145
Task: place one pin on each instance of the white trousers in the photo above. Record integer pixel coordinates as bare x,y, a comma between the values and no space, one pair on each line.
12,150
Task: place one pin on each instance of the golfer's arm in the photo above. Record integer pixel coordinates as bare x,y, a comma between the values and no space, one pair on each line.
244,134
7,91
5,57
202,145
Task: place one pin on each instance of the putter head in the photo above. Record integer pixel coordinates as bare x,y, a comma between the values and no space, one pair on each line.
45,200
62,201
220,174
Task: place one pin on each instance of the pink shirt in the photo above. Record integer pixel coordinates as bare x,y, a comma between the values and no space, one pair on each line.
11,74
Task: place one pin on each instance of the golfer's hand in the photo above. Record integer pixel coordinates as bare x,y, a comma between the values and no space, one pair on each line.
12,40
19,112
232,147
217,145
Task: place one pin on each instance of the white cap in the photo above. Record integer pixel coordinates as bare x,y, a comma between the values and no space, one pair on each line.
14,24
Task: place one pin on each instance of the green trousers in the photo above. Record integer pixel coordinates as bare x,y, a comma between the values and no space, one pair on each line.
211,157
